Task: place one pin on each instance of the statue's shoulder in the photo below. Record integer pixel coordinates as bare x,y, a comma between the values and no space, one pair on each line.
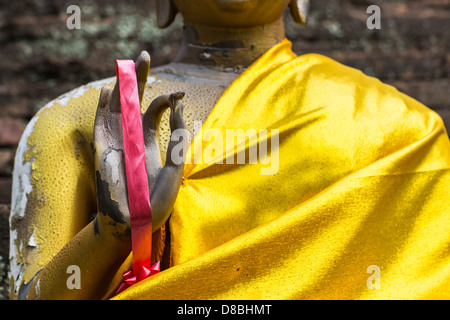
84,96
161,80
74,111
69,112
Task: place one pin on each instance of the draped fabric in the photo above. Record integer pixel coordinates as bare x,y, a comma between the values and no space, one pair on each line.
350,201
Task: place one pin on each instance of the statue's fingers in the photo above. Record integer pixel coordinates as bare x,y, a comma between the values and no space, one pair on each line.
177,148
114,101
152,117
168,182
103,101
150,123
99,123
142,68
105,96
164,195
176,114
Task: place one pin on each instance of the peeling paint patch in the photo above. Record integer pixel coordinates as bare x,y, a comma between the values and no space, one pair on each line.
78,92
75,93
22,174
116,157
106,205
101,83
31,242
21,188
37,288
17,279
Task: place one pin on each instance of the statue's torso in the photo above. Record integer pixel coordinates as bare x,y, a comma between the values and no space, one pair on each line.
54,187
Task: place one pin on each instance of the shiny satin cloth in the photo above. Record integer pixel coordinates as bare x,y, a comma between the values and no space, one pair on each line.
363,180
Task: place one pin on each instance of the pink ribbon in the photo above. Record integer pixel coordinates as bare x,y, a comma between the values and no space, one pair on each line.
136,173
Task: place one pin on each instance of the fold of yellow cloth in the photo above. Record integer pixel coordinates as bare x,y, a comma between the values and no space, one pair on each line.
350,201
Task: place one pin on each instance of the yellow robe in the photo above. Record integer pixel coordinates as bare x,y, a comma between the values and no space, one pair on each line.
359,207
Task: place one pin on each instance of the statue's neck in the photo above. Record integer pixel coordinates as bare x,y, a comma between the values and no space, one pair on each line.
226,48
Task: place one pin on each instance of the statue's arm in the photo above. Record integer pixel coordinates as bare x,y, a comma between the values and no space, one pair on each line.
97,257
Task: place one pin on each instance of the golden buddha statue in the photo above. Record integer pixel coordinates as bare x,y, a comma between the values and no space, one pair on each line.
363,177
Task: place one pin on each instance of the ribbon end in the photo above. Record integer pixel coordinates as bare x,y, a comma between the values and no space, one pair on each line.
122,287
156,267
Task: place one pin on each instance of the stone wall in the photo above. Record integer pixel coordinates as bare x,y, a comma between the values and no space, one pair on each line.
40,58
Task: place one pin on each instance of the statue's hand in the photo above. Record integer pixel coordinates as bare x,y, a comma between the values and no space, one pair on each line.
163,182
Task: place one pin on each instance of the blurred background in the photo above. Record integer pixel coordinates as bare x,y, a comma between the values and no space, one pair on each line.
40,58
